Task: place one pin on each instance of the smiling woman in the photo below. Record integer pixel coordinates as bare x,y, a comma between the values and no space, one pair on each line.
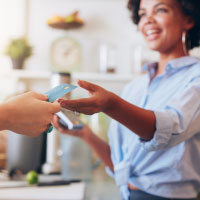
189,8
155,135
159,28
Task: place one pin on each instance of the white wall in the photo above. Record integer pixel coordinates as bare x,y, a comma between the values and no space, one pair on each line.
12,24
12,21
105,21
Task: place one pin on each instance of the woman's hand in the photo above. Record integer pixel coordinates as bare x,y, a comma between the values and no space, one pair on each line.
97,144
81,133
138,120
100,100
29,114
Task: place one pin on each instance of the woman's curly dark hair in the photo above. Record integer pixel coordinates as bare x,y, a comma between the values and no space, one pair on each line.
190,8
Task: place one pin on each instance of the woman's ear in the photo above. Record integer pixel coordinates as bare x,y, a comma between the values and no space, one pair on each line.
188,23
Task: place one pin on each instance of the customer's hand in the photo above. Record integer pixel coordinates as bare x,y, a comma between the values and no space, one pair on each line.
100,100
29,114
82,133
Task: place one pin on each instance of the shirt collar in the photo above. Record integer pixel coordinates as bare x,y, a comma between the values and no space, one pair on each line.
173,64
181,62
150,68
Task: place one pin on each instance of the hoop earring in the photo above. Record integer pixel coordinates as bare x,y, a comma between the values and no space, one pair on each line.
184,42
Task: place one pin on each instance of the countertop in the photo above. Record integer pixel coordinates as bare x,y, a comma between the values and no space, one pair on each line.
100,187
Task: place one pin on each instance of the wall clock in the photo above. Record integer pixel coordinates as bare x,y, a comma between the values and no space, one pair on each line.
65,55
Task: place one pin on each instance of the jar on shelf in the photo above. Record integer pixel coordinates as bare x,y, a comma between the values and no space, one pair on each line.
107,58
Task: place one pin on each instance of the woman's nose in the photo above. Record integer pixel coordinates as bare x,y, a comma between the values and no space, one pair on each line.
150,19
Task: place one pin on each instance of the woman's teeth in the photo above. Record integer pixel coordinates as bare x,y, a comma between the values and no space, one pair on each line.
150,32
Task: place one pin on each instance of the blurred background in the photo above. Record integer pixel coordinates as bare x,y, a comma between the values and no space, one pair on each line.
107,37
91,40
44,43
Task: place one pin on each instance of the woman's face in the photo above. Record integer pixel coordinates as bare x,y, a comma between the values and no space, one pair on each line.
162,23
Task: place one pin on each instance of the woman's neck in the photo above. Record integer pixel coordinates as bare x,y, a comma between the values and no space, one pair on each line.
165,57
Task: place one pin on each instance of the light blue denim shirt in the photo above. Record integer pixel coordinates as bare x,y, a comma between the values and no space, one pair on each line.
169,164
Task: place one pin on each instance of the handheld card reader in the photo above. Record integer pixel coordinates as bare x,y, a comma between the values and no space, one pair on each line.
71,124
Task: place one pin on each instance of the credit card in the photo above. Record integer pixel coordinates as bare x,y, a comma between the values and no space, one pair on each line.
59,91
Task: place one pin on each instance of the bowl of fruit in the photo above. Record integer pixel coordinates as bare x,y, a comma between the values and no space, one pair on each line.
71,21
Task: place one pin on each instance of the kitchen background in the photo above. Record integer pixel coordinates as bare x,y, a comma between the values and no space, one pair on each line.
106,25
106,22
107,31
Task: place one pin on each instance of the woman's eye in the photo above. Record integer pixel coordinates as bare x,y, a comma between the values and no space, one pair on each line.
161,10
141,15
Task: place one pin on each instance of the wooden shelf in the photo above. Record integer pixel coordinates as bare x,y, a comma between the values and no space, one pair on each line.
65,25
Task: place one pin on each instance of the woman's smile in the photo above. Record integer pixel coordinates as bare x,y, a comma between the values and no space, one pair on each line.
152,34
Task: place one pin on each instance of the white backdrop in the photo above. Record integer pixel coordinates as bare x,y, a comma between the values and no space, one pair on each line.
12,21
106,21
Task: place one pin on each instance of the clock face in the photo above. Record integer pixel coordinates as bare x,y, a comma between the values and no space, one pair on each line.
65,55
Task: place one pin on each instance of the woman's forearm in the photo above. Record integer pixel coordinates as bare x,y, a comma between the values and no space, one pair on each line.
101,148
140,121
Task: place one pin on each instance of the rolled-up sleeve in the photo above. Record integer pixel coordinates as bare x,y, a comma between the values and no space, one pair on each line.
178,121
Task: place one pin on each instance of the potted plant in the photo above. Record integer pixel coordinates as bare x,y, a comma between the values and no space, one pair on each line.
18,50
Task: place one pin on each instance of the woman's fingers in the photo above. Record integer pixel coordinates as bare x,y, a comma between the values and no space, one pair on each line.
76,104
88,105
61,129
57,125
88,86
